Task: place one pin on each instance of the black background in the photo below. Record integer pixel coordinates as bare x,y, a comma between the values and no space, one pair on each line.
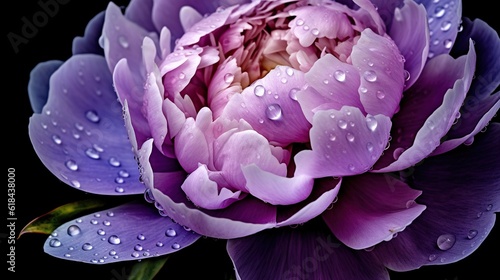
38,192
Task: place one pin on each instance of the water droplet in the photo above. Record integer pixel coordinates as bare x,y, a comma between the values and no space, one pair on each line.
73,230
380,94
406,75
446,241
293,93
228,78
397,153
350,137
448,43
363,90
342,124
431,125
351,167
371,123
87,247
445,25
101,232
306,27
141,237
55,243
339,75
75,183
176,246
123,42
170,232
432,257
370,76
92,116
369,147
315,32
114,162
135,254
148,196
119,180
273,112
91,153
71,165
472,233
159,244
479,215
94,222
299,22
439,11
289,71
56,139
106,223
489,207
259,91
326,82
138,247
115,240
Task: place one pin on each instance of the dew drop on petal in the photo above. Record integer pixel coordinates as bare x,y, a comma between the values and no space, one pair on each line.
446,241
56,139
101,232
176,246
380,94
339,75
87,247
432,257
114,162
123,42
92,153
92,116
370,76
371,123
71,165
259,91
472,233
342,124
369,147
55,243
273,112
73,230
115,240
350,137
170,232
293,93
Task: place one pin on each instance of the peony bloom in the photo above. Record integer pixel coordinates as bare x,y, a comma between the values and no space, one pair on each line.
321,139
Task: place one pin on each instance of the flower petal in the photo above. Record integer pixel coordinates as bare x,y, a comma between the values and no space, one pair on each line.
89,43
323,194
480,104
382,74
275,189
372,208
239,219
38,86
140,11
411,34
444,20
343,143
123,38
417,128
132,231
306,252
332,84
269,106
205,193
80,136
461,196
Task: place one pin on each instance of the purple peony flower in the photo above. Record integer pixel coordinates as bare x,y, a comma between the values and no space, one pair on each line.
321,139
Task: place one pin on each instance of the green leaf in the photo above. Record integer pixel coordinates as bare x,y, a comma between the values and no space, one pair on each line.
48,222
147,269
